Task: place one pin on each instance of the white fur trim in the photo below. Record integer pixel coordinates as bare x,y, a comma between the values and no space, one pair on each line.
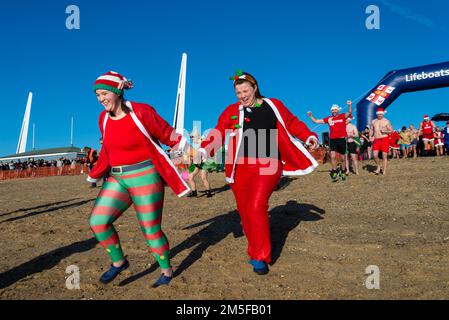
104,124
299,172
311,138
241,116
203,152
92,180
229,180
184,193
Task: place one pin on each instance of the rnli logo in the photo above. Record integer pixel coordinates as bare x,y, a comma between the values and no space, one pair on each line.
380,95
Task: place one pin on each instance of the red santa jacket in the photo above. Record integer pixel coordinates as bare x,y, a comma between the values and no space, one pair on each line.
156,129
296,160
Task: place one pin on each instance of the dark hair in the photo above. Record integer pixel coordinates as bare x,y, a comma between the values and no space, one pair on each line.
125,108
404,128
251,80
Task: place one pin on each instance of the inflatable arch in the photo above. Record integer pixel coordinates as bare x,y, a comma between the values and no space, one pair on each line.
397,82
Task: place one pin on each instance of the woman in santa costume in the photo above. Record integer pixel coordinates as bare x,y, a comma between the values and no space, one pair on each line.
439,144
137,164
261,148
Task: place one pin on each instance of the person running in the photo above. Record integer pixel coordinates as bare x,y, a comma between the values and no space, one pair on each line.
405,141
131,134
353,147
394,144
439,144
379,131
427,129
415,140
195,167
338,142
446,137
365,150
261,147
91,161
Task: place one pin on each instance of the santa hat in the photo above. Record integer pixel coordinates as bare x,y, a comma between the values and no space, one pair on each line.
381,111
114,82
335,107
426,117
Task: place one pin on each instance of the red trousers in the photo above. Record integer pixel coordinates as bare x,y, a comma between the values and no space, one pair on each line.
253,186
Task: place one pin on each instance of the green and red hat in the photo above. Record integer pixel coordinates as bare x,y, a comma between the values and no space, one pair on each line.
114,82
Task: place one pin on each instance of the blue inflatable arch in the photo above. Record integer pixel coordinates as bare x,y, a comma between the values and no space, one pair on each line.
397,82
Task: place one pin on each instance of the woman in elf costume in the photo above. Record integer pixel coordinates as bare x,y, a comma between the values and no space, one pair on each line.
261,148
137,164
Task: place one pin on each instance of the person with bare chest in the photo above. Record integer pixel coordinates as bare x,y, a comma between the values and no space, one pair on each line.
380,128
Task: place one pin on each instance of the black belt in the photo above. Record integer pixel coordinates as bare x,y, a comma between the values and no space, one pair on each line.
123,169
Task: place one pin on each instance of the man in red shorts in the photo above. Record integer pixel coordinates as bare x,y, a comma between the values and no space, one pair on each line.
427,129
338,134
379,131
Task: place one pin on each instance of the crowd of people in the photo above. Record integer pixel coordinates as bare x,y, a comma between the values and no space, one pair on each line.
409,142
38,163
379,141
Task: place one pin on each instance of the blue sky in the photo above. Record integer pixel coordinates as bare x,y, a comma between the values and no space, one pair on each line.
307,54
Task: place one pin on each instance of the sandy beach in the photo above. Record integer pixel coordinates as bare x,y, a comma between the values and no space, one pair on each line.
324,237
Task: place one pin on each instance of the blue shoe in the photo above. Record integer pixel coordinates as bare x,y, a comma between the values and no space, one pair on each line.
259,267
163,280
113,272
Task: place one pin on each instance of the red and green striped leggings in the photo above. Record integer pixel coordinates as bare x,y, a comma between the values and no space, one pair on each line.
144,189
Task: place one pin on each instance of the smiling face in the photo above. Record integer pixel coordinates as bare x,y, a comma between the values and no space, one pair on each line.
108,99
246,93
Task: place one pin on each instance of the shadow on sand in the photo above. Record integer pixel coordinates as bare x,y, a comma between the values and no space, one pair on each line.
283,219
38,207
35,213
44,262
